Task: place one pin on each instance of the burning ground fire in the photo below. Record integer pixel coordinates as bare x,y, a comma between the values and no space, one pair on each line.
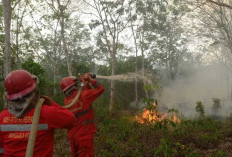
151,116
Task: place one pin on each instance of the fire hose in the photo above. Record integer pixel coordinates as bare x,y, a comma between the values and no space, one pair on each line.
34,128
75,99
35,121
80,90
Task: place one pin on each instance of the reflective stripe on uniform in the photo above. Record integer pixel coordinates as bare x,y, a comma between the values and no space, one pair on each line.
86,122
21,127
79,114
1,150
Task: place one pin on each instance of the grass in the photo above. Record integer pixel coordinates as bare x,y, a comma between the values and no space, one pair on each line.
121,135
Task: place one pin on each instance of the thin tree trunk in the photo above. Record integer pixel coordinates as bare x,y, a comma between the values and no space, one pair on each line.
68,60
18,27
6,5
143,63
136,78
17,44
228,83
112,84
56,49
55,64
136,66
231,92
65,47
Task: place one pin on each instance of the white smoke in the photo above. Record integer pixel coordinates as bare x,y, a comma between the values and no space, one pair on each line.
203,84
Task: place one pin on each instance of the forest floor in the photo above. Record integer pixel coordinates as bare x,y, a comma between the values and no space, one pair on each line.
122,135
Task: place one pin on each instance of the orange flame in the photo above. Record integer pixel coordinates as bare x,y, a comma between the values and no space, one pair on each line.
152,116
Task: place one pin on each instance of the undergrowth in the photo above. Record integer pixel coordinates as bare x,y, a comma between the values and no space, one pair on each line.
122,135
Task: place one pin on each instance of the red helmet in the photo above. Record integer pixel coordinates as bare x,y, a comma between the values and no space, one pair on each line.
67,82
19,83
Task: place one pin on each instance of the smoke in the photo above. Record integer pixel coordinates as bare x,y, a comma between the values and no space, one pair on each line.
194,84
130,77
201,84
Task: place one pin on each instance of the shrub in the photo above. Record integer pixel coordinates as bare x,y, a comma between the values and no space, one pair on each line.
200,109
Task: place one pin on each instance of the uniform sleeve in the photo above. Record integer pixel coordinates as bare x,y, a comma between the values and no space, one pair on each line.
57,116
92,94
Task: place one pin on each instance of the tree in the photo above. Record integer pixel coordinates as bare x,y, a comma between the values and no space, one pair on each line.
110,15
200,109
8,8
142,14
37,70
62,14
165,35
7,11
214,28
135,38
59,10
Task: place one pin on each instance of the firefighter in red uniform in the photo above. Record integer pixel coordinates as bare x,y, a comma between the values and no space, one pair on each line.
22,95
82,134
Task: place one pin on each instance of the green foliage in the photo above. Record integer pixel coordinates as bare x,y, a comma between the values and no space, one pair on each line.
37,70
147,87
209,140
150,87
125,88
173,111
32,67
165,45
200,109
122,136
2,38
80,68
203,132
103,70
149,103
167,149
216,105
1,11
219,153
118,136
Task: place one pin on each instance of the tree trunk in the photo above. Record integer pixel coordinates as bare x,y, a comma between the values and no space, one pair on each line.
18,27
136,79
68,60
17,45
65,46
143,63
55,63
6,5
136,66
112,84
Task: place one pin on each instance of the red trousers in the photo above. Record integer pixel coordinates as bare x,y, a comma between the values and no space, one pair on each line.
82,146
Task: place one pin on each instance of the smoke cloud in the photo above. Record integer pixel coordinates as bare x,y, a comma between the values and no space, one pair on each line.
202,84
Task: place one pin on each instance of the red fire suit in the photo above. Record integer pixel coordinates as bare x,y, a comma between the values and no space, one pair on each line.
81,135
14,132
